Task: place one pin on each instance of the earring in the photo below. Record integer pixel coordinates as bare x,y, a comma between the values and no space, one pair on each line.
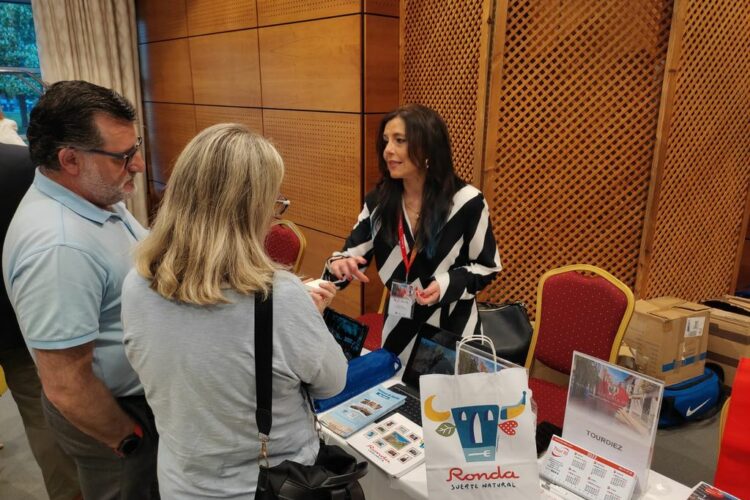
427,164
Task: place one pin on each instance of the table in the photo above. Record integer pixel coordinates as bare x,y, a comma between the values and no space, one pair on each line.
413,485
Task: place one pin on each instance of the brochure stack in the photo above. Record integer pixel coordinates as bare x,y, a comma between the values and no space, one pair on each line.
355,413
395,444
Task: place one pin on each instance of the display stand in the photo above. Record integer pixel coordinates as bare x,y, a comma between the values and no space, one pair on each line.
613,412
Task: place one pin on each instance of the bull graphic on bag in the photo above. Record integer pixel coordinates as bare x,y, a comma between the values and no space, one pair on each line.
477,426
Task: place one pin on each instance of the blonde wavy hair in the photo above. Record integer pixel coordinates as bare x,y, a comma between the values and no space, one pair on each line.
210,229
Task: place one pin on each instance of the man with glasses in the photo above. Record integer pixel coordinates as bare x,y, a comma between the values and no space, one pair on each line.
66,253
58,470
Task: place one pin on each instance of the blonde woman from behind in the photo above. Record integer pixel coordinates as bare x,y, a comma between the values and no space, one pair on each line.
188,312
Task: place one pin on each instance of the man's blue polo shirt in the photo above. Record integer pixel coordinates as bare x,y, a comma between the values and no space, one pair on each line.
64,261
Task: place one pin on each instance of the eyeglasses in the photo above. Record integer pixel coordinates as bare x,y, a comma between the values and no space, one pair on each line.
126,157
280,206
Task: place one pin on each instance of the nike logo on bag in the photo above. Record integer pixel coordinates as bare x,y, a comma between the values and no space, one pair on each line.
690,411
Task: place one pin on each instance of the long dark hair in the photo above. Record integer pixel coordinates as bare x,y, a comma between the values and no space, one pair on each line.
429,144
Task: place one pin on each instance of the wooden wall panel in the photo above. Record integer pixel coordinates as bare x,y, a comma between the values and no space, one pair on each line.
381,64
165,71
372,173
289,11
321,153
225,68
320,246
210,16
694,240
322,79
313,65
574,103
382,7
160,20
169,127
205,116
372,292
155,195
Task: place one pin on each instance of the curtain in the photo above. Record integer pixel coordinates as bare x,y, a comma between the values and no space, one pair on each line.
96,41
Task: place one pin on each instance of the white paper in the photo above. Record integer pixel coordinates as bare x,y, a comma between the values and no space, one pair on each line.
401,307
586,474
694,326
401,303
395,444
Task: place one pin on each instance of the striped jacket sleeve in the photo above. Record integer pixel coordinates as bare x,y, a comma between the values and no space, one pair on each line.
358,244
464,282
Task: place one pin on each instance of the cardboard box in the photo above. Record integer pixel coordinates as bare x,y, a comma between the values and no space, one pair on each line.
669,338
738,301
729,337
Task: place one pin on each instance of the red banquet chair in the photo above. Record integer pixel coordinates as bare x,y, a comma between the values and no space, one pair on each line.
286,244
578,308
374,322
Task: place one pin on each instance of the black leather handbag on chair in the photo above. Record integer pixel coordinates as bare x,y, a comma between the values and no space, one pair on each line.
335,474
509,328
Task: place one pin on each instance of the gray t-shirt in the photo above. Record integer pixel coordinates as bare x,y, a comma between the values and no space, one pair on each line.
197,367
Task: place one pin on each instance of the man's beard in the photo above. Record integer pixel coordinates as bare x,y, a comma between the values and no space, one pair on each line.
102,192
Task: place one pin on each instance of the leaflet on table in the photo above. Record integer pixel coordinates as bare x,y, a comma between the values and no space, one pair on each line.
613,412
704,491
395,444
355,413
586,474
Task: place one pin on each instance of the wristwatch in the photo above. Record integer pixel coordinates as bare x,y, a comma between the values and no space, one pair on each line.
130,443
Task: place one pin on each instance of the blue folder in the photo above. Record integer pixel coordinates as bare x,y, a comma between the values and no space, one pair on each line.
363,373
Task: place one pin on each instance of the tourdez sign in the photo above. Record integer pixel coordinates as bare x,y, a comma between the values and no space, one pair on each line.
483,448
613,412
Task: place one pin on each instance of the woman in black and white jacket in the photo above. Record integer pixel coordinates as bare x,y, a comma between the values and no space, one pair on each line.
427,230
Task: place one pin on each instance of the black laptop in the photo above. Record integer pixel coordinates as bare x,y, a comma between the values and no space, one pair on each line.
434,352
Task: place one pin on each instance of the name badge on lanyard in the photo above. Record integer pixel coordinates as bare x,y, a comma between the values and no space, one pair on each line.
403,295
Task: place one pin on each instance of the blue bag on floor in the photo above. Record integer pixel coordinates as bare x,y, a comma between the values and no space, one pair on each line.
363,373
693,399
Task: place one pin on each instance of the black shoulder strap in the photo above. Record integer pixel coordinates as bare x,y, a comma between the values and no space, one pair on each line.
263,360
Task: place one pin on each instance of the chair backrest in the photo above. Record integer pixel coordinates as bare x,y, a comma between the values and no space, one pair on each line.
579,312
723,419
285,244
375,322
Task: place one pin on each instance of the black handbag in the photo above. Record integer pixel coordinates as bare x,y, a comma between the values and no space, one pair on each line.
509,328
335,474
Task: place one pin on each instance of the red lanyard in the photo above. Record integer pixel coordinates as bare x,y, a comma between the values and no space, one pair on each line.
408,261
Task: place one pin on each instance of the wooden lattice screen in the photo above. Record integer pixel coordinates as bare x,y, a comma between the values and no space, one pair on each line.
702,184
572,121
444,67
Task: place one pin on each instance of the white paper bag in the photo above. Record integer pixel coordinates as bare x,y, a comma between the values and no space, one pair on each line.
479,436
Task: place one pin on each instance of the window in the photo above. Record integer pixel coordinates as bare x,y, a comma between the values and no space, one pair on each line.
20,84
